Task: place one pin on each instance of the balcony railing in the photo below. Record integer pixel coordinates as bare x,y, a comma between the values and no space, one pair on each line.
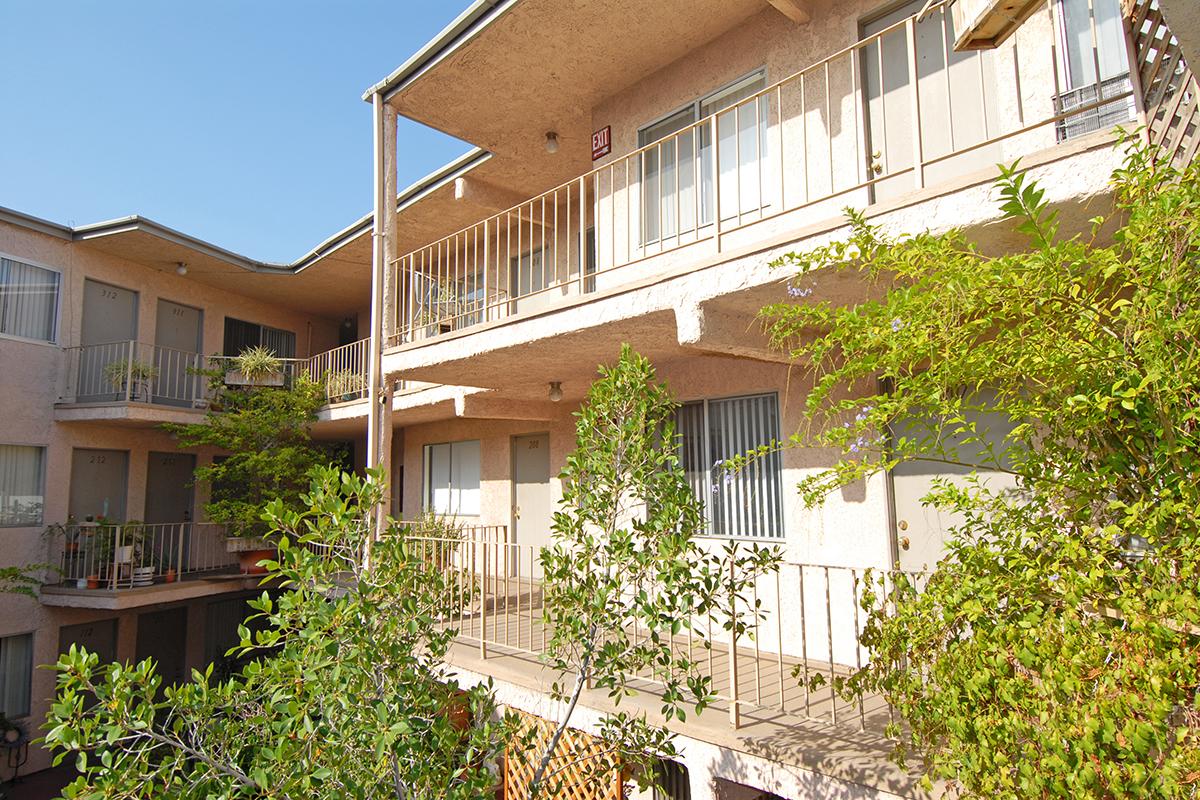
136,372
137,555
852,129
809,623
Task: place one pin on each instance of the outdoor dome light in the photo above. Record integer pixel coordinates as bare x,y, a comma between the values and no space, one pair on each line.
555,391
182,268
551,142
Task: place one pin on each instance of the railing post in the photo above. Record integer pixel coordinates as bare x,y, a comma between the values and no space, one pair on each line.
582,232
179,550
910,29
116,557
129,356
716,160
735,711
483,601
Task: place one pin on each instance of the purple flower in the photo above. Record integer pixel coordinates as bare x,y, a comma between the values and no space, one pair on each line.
799,291
897,324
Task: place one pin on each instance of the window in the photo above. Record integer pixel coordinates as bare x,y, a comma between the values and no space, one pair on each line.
748,503
681,165
28,301
452,478
1095,67
21,481
240,335
16,671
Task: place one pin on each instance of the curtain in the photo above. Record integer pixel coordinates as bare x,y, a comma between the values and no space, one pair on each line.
16,671
452,478
20,485
747,503
28,300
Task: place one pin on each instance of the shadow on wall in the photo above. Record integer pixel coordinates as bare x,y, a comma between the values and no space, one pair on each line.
835,764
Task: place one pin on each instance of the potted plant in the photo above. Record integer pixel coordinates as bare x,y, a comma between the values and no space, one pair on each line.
93,581
256,366
131,378
134,536
250,550
343,384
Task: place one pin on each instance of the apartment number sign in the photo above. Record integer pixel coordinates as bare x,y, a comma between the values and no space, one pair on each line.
602,142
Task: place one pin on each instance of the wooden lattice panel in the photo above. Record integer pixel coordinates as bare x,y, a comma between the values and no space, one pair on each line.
574,745
1170,92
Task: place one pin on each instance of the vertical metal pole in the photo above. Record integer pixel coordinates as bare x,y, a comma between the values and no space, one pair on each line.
483,601
716,160
129,370
918,154
582,230
735,711
378,266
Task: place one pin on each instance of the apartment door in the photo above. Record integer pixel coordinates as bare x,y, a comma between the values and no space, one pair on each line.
109,325
532,510
922,531
956,95
162,635
99,637
169,497
99,482
178,339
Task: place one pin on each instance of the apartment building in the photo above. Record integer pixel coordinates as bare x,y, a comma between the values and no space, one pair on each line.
645,164
637,167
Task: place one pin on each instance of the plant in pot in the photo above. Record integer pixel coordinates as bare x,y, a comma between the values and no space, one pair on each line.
131,378
255,366
134,535
344,385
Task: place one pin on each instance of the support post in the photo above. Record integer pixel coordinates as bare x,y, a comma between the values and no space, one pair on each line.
910,31
375,416
735,709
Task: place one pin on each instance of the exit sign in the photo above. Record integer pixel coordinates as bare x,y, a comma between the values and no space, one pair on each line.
602,142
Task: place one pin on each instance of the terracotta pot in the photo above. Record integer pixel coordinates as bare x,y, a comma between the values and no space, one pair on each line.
248,560
93,581
169,577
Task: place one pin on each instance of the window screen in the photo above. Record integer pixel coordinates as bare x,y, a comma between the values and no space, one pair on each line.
28,301
21,483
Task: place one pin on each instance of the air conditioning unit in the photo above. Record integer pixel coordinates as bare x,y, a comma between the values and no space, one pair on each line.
984,24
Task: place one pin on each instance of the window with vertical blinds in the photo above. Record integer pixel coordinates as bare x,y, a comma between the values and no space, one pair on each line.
452,478
748,503
241,335
21,485
28,301
16,671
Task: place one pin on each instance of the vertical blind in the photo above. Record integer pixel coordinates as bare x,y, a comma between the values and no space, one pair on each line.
452,478
21,479
16,670
241,335
28,301
747,503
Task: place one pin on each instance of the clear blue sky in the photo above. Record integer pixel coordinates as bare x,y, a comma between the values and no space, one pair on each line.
238,121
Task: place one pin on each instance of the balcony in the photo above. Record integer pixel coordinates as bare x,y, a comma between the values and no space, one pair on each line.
116,566
810,621
896,118
136,383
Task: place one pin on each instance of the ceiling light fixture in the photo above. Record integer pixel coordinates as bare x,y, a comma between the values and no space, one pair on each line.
555,391
181,269
551,142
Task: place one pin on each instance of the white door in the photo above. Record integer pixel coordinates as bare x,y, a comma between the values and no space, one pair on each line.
109,325
922,530
177,345
532,510
956,98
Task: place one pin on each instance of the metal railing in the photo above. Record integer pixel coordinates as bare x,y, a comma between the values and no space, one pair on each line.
136,554
852,129
344,371
134,372
808,623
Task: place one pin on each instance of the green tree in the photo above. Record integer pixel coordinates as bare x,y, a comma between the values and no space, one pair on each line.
625,574
344,695
1054,649
265,433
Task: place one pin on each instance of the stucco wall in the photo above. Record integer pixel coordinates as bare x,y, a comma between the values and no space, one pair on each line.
30,382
